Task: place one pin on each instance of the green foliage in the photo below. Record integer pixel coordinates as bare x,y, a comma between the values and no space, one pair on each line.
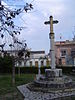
67,69
5,64
32,70
27,70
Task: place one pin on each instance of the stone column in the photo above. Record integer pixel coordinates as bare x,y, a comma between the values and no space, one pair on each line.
52,45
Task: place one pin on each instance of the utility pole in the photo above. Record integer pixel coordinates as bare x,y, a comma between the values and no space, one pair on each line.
51,36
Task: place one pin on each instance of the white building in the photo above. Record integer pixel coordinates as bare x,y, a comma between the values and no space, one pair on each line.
36,58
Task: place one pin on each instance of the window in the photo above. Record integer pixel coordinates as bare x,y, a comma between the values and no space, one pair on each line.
36,63
0,54
30,63
20,63
60,61
42,63
47,63
63,53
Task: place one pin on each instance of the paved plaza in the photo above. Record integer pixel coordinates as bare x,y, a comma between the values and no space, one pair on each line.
31,95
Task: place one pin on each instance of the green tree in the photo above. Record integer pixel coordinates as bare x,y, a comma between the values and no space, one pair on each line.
5,64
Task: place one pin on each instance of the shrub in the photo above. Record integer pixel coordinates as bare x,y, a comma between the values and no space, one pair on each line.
5,64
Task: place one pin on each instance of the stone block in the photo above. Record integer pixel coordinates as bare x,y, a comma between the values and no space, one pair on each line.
52,73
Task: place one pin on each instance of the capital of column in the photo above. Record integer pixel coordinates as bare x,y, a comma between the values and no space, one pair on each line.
51,17
51,35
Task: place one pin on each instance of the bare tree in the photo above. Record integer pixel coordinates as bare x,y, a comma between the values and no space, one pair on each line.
7,26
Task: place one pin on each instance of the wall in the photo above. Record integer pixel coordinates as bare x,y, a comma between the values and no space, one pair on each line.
64,45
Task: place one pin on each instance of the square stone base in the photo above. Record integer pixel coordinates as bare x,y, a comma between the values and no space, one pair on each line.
51,73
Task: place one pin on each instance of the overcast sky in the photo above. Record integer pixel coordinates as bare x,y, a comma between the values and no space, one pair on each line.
37,34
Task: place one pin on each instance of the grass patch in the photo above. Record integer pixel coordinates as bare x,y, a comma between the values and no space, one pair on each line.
7,91
24,78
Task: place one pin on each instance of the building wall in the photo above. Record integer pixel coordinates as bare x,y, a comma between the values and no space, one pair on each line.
35,59
36,62
61,47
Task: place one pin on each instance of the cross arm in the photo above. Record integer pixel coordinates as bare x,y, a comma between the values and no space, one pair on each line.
55,21
47,22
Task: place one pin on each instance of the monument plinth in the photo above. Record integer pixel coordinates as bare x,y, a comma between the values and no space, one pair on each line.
53,73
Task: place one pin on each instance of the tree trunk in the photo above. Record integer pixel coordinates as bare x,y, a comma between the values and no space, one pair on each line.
18,71
13,72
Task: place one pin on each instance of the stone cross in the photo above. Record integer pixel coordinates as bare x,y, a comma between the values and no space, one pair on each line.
51,36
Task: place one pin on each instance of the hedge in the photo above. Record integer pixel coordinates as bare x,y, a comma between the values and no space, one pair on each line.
67,69
31,70
5,64
34,70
